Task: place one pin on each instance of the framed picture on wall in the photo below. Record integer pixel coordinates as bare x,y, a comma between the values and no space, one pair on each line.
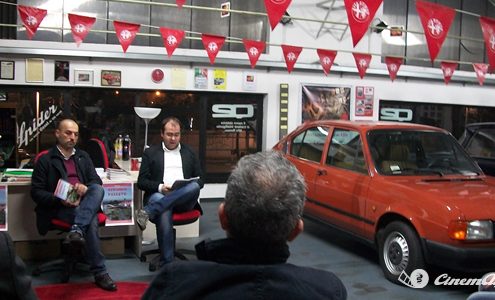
83,77
34,69
7,68
325,102
61,70
110,78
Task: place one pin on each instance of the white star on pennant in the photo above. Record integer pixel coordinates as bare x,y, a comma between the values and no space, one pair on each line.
291,56
326,60
448,72
125,34
393,67
79,28
253,51
31,21
171,40
435,27
213,47
360,10
363,63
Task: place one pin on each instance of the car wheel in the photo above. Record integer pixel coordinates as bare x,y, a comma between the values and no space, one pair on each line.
399,250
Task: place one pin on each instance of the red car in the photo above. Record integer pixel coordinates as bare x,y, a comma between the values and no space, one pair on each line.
408,189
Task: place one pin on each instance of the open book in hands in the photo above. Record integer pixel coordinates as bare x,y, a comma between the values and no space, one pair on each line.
182,182
66,191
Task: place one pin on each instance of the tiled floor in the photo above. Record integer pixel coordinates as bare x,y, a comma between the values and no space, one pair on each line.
319,246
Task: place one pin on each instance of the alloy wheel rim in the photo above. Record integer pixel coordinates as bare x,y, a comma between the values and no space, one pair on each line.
395,253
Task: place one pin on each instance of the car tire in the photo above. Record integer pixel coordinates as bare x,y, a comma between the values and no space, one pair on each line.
399,250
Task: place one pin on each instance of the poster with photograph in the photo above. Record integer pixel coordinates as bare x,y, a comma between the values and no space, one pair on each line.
110,78
200,78
364,101
3,208
61,70
248,81
220,79
324,102
118,203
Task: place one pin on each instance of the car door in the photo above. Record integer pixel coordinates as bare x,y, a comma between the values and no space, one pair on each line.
306,151
342,181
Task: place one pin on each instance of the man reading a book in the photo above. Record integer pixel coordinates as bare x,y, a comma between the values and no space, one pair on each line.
63,164
161,166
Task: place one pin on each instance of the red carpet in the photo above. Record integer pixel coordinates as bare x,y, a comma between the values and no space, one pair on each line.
89,291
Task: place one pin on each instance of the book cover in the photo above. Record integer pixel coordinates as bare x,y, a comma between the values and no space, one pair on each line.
182,182
65,191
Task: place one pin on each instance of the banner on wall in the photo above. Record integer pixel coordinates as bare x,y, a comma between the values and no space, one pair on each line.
171,39
360,13
3,208
31,18
448,69
80,27
118,204
126,33
325,102
364,101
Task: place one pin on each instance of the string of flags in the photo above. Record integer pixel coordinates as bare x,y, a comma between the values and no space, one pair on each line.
436,20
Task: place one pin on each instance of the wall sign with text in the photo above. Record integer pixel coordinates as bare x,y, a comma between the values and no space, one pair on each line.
364,101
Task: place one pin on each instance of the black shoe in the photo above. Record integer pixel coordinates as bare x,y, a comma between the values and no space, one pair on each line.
105,282
142,218
75,239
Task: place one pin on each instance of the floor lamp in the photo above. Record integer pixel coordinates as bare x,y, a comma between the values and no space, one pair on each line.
147,114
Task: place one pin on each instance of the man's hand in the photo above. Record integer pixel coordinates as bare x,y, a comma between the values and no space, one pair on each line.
166,189
80,189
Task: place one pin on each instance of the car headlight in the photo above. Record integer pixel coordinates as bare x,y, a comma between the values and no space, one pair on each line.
471,230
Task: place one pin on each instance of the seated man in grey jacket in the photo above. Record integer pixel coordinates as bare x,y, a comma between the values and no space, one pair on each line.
261,213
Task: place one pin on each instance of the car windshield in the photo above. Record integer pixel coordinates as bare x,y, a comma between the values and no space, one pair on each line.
412,152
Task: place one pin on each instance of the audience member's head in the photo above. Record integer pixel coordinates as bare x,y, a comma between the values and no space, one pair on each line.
264,200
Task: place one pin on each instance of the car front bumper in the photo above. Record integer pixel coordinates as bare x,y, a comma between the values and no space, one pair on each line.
457,258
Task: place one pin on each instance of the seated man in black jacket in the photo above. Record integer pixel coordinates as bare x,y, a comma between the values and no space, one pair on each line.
64,161
261,213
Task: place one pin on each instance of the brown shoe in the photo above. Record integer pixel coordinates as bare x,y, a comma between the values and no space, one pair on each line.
105,282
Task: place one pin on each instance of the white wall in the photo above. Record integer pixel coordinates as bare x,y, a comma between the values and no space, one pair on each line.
136,73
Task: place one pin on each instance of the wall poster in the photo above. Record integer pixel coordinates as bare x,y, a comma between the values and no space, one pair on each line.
364,101
200,78
3,208
325,102
118,204
220,79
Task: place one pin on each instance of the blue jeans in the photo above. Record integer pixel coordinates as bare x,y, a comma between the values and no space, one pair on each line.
160,208
85,217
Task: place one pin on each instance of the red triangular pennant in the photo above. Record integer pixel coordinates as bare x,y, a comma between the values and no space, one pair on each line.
291,53
171,39
180,3
488,28
212,44
126,32
480,70
436,20
393,65
80,26
448,69
31,17
253,50
275,10
360,13
327,57
362,62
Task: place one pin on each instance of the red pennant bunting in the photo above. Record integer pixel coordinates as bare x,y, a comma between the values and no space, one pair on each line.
360,13
393,65
254,50
171,39
212,44
275,10
126,32
362,62
31,17
436,20
80,26
327,57
180,3
291,53
448,69
488,28
480,70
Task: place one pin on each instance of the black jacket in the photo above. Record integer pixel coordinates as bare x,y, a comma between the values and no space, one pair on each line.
151,170
47,171
15,283
229,269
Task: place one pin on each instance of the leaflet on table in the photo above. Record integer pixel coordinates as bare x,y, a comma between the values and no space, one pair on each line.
3,208
118,204
65,191
182,182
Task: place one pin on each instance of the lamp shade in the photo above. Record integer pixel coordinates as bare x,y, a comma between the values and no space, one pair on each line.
147,112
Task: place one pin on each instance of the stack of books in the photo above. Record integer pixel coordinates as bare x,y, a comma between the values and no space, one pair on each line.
118,174
17,174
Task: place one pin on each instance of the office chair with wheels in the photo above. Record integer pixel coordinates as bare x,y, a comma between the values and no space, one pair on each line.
179,218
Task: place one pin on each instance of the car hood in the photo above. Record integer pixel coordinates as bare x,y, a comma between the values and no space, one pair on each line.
472,197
